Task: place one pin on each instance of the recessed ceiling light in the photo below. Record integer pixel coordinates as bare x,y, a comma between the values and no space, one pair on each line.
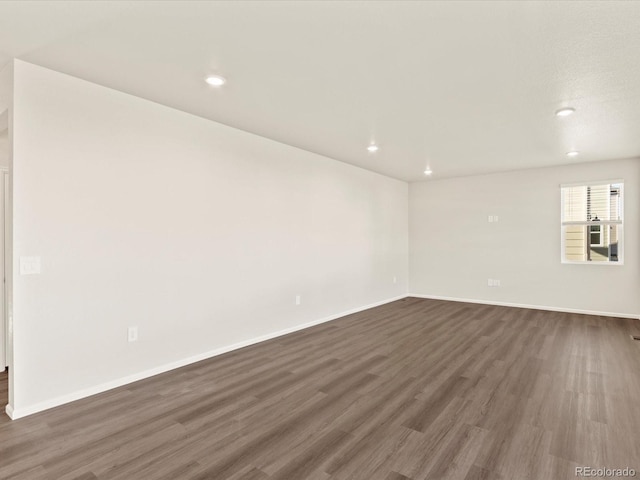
565,112
428,171
215,80
573,153
372,148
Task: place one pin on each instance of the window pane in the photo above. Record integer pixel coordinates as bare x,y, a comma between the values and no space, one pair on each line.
592,202
598,202
613,234
574,200
575,243
589,243
615,206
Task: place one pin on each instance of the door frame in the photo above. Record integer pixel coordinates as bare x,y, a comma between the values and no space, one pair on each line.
5,341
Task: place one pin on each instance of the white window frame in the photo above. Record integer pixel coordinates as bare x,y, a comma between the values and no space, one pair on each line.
619,223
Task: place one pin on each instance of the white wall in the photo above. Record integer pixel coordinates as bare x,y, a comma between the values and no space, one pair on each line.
454,250
4,165
6,125
199,234
4,148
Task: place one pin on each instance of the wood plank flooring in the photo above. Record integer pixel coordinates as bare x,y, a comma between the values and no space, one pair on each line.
415,389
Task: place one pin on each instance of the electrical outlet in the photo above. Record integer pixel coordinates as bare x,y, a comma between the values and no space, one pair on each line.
496,283
395,279
132,334
298,299
490,282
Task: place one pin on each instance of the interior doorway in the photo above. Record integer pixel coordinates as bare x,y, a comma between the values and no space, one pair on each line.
6,337
4,183
4,327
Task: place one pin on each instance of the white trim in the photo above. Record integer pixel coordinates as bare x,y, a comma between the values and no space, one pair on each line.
591,223
103,387
592,183
4,328
522,305
591,262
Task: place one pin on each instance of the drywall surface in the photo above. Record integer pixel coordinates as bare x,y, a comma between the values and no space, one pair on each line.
198,234
454,250
6,91
4,148
6,128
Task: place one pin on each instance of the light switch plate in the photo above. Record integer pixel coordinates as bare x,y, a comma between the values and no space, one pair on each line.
132,334
30,266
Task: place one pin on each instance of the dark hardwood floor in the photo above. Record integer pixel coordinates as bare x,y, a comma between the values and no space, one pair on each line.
416,389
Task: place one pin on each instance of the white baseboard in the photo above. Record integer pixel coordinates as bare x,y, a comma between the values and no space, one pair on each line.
522,305
14,414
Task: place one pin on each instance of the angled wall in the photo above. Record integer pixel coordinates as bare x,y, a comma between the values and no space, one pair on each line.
198,234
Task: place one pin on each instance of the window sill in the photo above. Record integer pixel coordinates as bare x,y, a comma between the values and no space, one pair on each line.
610,264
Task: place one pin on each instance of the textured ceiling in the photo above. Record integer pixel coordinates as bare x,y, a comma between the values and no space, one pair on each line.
465,87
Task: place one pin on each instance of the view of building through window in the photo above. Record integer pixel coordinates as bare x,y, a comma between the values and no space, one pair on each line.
592,222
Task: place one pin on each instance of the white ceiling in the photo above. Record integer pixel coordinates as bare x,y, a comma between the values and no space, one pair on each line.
467,88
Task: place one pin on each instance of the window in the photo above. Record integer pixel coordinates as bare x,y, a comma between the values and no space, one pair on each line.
595,231
592,223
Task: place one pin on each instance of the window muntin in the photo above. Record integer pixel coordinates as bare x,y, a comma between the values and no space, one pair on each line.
592,223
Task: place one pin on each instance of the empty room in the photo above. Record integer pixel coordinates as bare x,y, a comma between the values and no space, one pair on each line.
319,240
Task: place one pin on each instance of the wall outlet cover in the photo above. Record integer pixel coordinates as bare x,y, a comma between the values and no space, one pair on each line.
30,266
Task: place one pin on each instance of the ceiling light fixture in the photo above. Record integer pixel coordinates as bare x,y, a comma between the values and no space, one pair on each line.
372,148
573,153
428,171
565,112
215,80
